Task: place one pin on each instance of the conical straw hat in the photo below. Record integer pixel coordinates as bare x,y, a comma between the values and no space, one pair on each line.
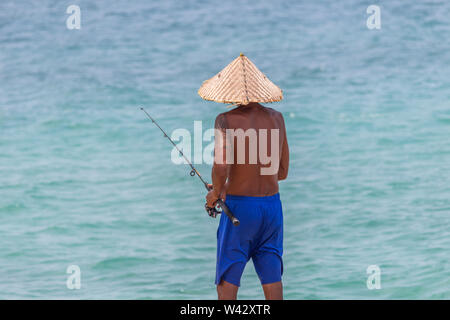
240,82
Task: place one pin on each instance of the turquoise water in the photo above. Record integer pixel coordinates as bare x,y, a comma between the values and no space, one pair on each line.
86,180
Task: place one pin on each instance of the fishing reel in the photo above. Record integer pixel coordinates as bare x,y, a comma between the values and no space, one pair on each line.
213,211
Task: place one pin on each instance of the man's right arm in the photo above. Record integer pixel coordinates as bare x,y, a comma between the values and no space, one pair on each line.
284,159
220,167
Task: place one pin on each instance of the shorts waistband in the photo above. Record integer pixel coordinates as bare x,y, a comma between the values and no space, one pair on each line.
274,197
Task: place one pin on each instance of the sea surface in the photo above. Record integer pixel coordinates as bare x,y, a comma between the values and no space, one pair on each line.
87,180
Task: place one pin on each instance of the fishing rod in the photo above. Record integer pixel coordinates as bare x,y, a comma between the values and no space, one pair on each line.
212,212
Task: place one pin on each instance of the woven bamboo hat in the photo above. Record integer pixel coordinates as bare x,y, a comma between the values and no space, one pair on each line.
240,82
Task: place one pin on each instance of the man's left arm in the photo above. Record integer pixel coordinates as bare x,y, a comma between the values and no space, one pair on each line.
220,168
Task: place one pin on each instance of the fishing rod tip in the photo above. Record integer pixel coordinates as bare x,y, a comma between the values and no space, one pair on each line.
141,108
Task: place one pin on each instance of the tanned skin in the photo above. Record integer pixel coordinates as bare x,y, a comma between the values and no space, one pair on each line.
246,179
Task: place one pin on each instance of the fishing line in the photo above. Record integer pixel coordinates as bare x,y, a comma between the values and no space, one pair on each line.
211,211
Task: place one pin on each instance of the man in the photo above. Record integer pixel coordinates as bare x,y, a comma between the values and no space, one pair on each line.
245,174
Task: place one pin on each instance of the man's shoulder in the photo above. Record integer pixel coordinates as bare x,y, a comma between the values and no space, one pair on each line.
237,113
274,112
227,115
221,120
222,115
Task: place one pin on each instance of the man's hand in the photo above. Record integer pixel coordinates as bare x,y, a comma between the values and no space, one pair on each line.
212,197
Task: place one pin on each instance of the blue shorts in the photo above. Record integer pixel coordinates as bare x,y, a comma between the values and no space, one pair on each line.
259,236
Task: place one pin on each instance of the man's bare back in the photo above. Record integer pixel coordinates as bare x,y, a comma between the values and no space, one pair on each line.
249,178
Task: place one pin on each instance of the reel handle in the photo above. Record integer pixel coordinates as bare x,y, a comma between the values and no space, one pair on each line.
235,221
228,212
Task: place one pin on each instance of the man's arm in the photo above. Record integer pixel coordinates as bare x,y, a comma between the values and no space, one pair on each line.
220,168
284,159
